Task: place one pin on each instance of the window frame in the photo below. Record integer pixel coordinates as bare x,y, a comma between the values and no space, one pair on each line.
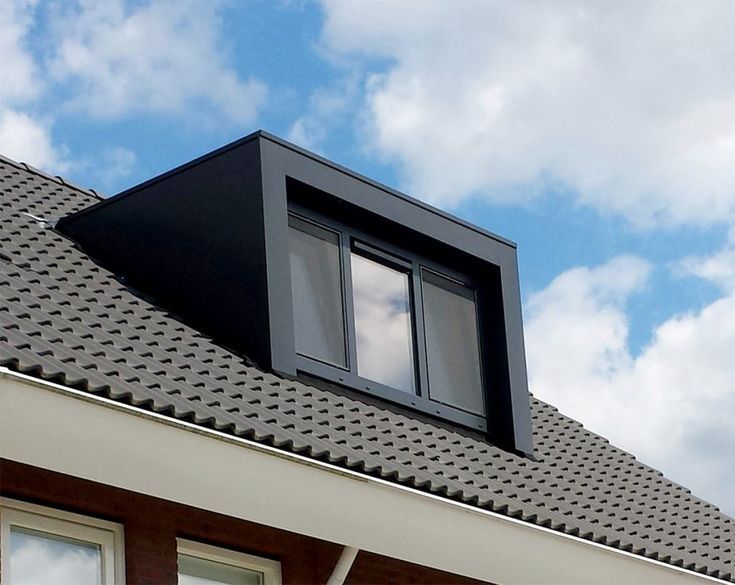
356,240
107,535
484,370
270,569
339,235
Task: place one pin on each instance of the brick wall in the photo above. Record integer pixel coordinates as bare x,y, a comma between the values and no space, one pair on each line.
152,525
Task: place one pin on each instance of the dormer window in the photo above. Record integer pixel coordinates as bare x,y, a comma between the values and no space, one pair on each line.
385,340
317,273
385,320
317,291
452,343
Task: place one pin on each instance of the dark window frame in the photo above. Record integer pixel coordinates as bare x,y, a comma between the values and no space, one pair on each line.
482,348
355,240
321,227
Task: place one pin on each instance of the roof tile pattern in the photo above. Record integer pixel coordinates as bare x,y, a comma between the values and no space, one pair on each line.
64,318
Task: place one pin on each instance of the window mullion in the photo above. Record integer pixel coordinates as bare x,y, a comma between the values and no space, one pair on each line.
422,388
348,302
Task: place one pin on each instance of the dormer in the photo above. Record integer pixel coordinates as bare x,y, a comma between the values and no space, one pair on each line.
312,270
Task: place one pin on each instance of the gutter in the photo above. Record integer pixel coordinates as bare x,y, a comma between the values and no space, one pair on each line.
494,547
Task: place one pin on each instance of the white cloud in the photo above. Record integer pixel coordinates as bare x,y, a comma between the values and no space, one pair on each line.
627,104
22,136
44,561
718,269
327,108
24,139
382,324
19,77
672,405
115,164
162,56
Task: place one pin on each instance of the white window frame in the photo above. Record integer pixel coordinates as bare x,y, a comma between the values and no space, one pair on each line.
271,569
108,535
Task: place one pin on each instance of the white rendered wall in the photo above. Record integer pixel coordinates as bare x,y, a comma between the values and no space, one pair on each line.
70,432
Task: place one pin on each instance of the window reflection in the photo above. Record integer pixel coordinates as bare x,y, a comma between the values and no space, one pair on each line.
452,344
196,571
383,324
39,558
316,283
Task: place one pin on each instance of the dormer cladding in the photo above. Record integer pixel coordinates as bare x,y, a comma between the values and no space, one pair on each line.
210,242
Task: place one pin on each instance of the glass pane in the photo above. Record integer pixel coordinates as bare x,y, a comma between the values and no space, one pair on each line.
316,284
196,571
39,558
452,345
383,324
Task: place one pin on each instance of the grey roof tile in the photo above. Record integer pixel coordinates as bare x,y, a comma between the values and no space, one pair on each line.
64,318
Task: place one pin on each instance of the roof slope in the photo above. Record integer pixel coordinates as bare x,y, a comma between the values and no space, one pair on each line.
64,318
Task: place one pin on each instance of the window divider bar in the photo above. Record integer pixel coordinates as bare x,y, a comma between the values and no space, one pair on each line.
422,388
348,301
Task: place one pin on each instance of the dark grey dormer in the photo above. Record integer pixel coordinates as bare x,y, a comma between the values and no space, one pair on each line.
312,270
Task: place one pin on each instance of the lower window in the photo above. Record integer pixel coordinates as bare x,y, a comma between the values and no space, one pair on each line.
201,564
45,545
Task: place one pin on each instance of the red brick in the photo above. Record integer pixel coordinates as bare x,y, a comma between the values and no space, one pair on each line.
152,525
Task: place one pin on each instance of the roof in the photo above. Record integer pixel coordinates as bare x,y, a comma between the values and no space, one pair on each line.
66,319
231,227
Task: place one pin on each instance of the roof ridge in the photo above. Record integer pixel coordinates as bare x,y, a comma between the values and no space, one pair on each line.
54,178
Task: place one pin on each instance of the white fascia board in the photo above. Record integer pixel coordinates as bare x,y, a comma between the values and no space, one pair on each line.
75,433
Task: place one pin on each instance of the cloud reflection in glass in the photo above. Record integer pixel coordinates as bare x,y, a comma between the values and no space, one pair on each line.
39,558
383,324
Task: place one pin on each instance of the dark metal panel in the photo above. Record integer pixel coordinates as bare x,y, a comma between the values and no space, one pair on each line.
508,405
278,273
358,178
194,242
516,356
402,211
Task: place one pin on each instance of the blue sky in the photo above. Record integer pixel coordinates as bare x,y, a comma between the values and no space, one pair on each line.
600,137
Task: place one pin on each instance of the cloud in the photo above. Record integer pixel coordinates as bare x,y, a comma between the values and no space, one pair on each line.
19,76
672,405
328,108
382,324
628,105
24,139
161,56
38,560
718,269
22,136
114,164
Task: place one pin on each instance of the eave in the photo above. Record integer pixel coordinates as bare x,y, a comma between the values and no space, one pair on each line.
64,430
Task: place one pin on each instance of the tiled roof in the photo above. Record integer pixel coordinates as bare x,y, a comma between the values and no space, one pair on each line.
66,319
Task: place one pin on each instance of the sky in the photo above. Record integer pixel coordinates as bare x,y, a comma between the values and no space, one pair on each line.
598,136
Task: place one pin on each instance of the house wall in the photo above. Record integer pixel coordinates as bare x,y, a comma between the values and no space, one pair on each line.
152,525
45,425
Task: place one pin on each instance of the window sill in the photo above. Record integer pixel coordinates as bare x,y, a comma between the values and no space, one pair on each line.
373,389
